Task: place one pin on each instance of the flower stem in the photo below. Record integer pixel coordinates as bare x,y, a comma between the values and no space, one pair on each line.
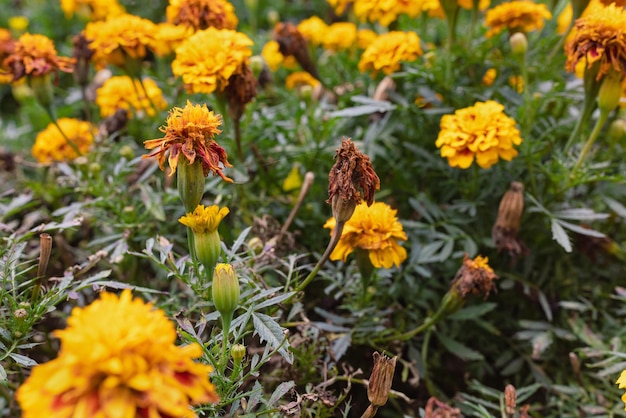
588,107
604,115
226,321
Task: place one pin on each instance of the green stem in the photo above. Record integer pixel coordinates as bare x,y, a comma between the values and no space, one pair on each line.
52,114
604,115
427,324
588,107
226,320
451,17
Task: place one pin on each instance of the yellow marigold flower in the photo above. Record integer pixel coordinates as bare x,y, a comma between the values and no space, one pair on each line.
340,36
7,44
386,11
621,381
119,93
373,228
389,50
313,30
517,82
339,6
169,37
564,19
469,4
599,36
364,37
299,79
516,16
120,37
481,131
51,145
35,55
208,59
189,132
202,14
204,220
118,358
92,9
273,58
490,76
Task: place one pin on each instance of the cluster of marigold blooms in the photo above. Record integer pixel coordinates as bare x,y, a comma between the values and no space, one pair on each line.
136,374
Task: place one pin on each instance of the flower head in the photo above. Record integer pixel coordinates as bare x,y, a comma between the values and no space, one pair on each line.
202,14
118,358
120,93
313,30
299,79
482,132
621,381
169,37
516,16
35,55
7,44
204,220
375,229
52,145
599,36
389,50
189,132
340,36
291,42
490,76
505,230
120,38
208,59
339,6
385,11
475,276
364,37
92,9
274,59
469,4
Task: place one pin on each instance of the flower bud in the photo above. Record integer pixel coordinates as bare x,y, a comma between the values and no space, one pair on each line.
255,245
42,89
225,289
190,182
238,352
519,45
381,379
208,248
204,222
127,152
256,65
617,130
610,91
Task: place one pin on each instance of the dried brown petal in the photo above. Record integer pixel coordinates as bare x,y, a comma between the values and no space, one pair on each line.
505,230
438,409
380,381
510,399
475,276
240,91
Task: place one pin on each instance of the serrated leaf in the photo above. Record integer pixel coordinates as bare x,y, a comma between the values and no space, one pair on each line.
458,349
581,230
270,331
273,301
23,360
560,236
280,391
255,396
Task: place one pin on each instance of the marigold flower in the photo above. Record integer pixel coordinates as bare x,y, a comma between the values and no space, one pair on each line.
364,37
120,38
517,82
299,79
274,59
385,11
124,92
475,276
600,37
209,58
469,4
203,222
7,44
52,145
340,36
339,6
35,55
482,132
313,30
389,50
169,37
92,9
375,229
490,76
202,14
189,132
516,16
564,19
118,358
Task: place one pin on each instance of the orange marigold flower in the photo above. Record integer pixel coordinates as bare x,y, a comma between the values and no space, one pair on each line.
52,145
7,44
490,76
516,16
482,132
209,58
123,92
121,37
389,50
599,36
340,36
475,276
202,14
118,358
35,55
375,229
313,30
189,132
386,11
92,9
169,37
517,82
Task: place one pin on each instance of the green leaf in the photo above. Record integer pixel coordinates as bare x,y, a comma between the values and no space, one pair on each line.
153,202
458,349
560,236
473,312
616,207
269,330
23,360
280,391
3,374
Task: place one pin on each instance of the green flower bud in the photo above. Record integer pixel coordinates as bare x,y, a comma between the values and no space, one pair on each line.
190,182
610,91
255,245
203,223
42,88
238,352
225,289
617,130
519,45
127,152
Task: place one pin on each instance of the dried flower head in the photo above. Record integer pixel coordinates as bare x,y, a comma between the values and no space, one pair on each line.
82,54
505,230
208,59
52,145
92,9
599,37
516,16
375,229
292,43
388,51
438,409
124,92
475,276
380,381
274,59
118,358
510,399
121,38
202,14
35,55
482,132
189,132
241,90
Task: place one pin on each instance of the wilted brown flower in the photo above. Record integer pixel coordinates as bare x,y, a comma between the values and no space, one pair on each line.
292,43
380,382
241,89
35,55
475,276
352,179
510,399
202,14
437,409
82,54
505,230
